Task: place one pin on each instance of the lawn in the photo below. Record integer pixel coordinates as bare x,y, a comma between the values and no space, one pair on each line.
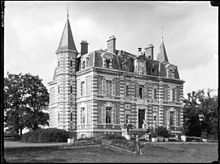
201,152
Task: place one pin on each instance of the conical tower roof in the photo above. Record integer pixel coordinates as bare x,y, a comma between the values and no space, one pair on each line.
162,56
66,41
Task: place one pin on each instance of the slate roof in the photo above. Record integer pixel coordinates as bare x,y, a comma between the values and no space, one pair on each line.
162,56
66,42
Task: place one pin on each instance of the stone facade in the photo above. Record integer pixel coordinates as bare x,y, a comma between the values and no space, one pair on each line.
101,91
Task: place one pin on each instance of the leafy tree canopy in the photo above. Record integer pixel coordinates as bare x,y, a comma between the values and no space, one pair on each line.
25,98
200,113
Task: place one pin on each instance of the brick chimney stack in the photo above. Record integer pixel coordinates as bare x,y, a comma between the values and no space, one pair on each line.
111,44
84,47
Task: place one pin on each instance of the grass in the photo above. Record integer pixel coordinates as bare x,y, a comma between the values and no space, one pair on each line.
162,153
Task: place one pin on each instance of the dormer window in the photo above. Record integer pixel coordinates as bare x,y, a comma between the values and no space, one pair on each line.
107,61
83,64
170,71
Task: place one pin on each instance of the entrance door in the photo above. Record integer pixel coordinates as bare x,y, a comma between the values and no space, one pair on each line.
141,117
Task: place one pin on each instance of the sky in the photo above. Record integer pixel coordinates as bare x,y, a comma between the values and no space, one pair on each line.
190,31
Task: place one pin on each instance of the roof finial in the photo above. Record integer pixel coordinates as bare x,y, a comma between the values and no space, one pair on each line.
161,33
67,12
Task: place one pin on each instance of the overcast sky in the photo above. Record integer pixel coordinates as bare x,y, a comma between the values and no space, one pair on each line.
33,31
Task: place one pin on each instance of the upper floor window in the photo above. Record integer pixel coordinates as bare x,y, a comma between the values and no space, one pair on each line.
127,90
141,91
58,117
108,87
108,114
155,93
71,89
71,116
71,63
58,89
82,88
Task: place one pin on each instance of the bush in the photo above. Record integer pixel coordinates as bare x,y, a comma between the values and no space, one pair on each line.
162,132
45,136
111,136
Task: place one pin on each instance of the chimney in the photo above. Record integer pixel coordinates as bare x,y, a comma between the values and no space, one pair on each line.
84,47
111,44
149,51
139,51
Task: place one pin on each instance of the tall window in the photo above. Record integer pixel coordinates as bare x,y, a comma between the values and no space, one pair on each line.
58,117
82,88
155,93
171,94
83,116
58,63
141,91
108,114
58,89
174,94
172,118
127,90
71,116
127,118
71,63
71,89
108,87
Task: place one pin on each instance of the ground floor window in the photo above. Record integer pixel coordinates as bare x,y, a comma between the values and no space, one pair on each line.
108,114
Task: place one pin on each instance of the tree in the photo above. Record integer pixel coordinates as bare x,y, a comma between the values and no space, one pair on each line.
200,113
25,98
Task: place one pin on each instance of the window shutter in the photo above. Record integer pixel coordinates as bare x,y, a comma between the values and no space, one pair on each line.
137,90
103,86
113,88
114,115
103,109
176,118
144,92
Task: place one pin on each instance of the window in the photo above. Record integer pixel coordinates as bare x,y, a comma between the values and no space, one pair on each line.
71,89
71,116
126,118
107,61
58,89
174,94
155,93
108,114
127,90
141,91
71,63
58,117
83,116
83,65
172,118
58,63
171,94
82,88
108,87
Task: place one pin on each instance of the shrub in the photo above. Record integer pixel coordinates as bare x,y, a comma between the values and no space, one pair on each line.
45,136
162,132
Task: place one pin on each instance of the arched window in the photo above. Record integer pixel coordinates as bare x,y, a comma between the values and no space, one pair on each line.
108,114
